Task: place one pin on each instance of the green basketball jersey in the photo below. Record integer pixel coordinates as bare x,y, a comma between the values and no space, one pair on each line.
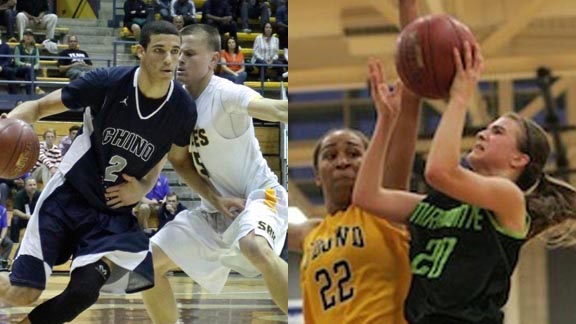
461,262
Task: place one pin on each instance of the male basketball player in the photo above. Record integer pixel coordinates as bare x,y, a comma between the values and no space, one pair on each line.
85,209
226,152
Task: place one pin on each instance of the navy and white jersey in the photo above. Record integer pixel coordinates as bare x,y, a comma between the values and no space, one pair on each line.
123,131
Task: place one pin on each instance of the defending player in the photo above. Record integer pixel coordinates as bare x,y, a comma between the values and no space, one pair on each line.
226,152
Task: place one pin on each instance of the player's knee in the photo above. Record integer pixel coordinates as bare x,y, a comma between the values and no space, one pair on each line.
22,296
256,249
81,297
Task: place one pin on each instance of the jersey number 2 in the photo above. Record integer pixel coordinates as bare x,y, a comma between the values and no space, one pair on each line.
117,164
341,269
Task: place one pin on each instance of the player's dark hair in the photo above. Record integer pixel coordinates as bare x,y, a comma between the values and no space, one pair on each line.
158,27
210,34
318,145
73,128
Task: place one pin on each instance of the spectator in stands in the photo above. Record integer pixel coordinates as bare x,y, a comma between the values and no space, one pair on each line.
5,242
282,23
186,9
77,64
151,203
35,14
169,209
218,14
235,8
232,60
68,139
7,17
254,9
7,185
27,61
135,16
266,50
49,158
178,21
164,9
24,204
7,71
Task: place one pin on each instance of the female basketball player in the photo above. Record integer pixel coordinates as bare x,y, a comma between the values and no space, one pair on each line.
466,237
355,265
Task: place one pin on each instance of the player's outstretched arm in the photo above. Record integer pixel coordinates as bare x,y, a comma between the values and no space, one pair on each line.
31,111
400,157
183,164
269,109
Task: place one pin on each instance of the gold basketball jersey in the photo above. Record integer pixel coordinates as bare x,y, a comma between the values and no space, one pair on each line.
355,269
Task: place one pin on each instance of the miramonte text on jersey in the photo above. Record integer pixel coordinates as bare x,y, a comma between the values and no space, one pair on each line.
432,217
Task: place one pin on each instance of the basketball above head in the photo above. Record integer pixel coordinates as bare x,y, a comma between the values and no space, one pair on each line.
424,54
19,148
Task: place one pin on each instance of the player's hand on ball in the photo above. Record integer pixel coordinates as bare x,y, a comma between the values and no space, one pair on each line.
468,71
125,194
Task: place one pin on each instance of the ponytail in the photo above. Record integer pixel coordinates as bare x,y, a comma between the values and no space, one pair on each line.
551,205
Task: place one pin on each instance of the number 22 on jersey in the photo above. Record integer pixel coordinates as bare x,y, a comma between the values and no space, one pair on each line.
334,282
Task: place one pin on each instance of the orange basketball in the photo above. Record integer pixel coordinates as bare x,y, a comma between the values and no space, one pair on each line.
19,148
424,57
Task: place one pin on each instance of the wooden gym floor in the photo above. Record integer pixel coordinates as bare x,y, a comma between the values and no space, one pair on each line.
243,300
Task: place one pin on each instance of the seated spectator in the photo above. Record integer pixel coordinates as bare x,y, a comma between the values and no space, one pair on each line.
49,158
282,24
233,63
7,71
164,9
5,242
27,61
186,9
77,64
7,17
35,14
170,208
218,14
24,204
151,203
8,185
178,21
135,16
266,50
255,9
67,140
235,8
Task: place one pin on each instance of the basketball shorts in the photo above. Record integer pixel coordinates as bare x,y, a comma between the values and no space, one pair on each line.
207,255
64,225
